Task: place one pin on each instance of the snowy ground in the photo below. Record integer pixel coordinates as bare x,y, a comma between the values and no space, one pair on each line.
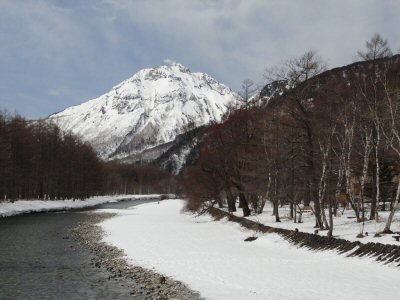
212,258
345,226
28,206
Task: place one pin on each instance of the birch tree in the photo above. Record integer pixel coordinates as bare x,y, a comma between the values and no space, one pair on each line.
390,84
376,48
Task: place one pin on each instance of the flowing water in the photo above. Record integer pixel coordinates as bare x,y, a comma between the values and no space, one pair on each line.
40,260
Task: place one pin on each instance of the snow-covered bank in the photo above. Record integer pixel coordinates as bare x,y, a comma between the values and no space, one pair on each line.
29,206
212,258
345,225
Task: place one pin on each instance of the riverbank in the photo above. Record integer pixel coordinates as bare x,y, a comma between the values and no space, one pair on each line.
212,257
8,209
345,224
383,253
145,282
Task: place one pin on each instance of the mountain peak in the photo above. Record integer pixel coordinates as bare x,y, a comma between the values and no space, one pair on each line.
147,110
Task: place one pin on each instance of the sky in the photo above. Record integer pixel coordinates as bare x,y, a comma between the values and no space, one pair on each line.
59,53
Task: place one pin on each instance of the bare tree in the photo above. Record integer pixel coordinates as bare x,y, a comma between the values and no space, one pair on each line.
248,90
297,69
376,48
390,82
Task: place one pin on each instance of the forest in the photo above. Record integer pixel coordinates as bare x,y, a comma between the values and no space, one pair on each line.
38,161
325,140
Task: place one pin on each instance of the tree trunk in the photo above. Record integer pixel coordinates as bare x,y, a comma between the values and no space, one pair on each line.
313,185
357,213
376,199
244,204
349,193
322,191
291,210
231,201
317,207
240,203
394,206
330,232
367,152
276,210
324,220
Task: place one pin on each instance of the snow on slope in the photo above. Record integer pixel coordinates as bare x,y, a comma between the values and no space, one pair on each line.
212,258
147,110
269,91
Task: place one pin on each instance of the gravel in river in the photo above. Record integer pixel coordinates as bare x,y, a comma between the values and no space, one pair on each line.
147,283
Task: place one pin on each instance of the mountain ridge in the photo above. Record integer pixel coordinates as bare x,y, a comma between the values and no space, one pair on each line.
147,110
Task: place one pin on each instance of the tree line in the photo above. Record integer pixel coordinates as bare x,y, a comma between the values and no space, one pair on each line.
331,138
39,161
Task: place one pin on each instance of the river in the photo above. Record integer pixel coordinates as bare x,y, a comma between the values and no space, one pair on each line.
40,260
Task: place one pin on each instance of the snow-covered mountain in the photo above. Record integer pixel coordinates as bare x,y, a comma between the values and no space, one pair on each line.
147,111
269,91
183,152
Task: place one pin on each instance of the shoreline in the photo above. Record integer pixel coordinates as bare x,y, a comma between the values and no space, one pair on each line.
147,283
20,207
382,253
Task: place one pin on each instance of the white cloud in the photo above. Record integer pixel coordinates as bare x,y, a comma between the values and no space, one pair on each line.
169,62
